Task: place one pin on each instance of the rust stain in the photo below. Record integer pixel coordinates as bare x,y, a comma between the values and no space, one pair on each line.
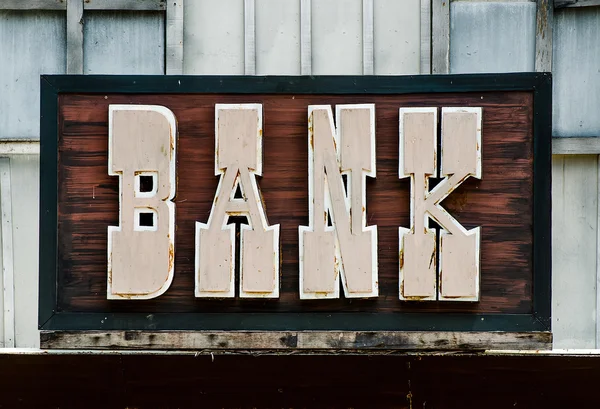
410,298
401,259
172,145
415,298
171,256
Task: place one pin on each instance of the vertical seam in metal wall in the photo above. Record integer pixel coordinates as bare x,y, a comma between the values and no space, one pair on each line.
174,37
543,35
305,38
425,60
440,37
8,279
368,41
74,36
249,38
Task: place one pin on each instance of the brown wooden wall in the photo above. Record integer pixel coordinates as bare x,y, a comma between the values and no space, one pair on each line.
236,381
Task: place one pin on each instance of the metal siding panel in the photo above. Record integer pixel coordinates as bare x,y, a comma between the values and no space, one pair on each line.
397,37
337,37
213,37
25,173
278,37
492,37
1,301
31,43
576,66
123,42
574,246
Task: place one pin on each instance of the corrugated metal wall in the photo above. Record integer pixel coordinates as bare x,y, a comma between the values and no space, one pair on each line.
293,37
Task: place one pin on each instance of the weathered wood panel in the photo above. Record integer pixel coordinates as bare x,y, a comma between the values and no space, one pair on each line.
278,37
499,202
123,42
31,43
397,37
307,341
543,35
337,37
574,249
492,37
213,37
576,75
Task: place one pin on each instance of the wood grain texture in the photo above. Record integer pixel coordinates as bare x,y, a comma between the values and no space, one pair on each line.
501,202
543,34
306,341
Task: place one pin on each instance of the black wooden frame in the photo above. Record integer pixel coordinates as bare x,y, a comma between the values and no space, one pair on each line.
539,320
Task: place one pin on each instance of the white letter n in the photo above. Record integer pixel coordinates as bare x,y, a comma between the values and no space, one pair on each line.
347,247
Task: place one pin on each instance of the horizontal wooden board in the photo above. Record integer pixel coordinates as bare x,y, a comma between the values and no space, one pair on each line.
306,340
501,202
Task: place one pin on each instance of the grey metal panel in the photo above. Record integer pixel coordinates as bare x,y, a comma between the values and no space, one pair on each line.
31,43
576,72
277,37
492,37
397,39
123,42
574,248
213,37
25,176
337,37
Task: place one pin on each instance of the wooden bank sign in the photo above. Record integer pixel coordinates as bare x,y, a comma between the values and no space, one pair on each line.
295,203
